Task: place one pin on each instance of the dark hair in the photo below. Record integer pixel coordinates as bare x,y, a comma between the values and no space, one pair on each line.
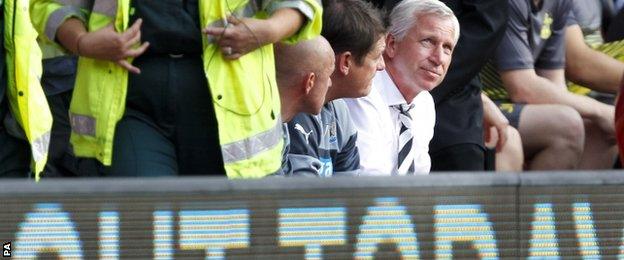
352,25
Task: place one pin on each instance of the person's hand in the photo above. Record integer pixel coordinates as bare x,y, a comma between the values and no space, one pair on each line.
497,131
494,121
241,36
605,119
107,44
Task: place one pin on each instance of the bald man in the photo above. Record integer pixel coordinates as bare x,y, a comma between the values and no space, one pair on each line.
331,136
303,77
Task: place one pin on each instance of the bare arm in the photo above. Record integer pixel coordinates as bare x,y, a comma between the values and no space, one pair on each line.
525,86
588,67
103,44
69,33
555,76
494,118
244,35
285,22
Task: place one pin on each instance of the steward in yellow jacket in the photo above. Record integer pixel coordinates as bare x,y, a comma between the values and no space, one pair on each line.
202,64
24,114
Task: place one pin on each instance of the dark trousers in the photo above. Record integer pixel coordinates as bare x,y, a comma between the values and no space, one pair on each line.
59,155
58,152
14,152
169,127
61,159
461,157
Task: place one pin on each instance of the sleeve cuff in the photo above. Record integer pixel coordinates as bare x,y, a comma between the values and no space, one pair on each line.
298,5
508,64
550,65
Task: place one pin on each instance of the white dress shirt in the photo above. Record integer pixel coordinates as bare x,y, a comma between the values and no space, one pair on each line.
378,127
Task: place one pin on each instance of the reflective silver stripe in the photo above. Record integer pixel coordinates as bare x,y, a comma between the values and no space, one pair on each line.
82,124
40,146
85,4
248,10
250,147
57,17
298,5
217,23
105,7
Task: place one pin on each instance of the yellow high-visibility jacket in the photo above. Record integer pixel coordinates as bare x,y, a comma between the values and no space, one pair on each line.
244,91
25,95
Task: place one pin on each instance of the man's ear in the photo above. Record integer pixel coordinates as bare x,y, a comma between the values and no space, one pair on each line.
391,43
309,82
344,61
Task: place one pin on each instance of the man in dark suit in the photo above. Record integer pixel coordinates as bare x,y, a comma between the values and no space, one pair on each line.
457,144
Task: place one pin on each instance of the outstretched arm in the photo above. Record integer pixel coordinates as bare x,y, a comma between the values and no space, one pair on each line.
494,118
242,35
588,67
526,86
288,21
103,44
64,24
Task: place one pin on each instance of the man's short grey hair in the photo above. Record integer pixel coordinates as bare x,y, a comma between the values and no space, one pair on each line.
403,16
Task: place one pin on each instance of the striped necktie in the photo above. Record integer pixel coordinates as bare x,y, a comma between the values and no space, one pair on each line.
406,155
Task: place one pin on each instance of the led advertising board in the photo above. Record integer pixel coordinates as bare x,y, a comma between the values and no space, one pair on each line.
423,217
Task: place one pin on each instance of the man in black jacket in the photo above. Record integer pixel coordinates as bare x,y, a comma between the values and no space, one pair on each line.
457,144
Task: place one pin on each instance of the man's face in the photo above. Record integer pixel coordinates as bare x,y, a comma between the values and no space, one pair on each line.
422,57
361,75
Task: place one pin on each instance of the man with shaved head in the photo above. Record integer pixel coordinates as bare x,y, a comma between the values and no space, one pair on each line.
357,34
303,77
303,72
